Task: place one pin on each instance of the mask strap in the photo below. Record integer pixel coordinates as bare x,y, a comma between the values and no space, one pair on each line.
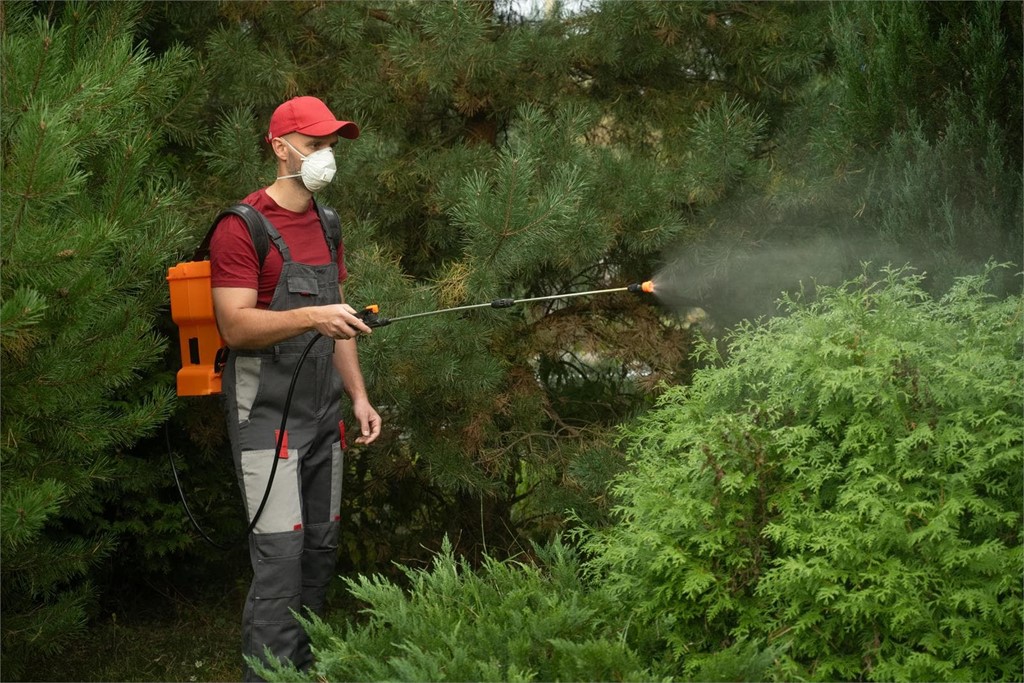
294,175
301,155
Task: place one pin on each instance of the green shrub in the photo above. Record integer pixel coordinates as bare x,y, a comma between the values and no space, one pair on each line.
507,621
848,483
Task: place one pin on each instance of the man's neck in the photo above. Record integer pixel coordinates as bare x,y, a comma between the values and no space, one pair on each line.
290,195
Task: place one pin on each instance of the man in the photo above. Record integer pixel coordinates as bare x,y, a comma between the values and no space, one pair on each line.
266,316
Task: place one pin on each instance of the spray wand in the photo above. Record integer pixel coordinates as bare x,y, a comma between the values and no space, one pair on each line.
369,314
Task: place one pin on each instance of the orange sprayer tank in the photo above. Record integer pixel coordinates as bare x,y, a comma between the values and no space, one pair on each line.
199,339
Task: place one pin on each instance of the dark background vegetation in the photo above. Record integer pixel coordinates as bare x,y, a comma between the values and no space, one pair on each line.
731,150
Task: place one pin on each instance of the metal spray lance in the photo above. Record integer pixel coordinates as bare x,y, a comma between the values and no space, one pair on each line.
369,314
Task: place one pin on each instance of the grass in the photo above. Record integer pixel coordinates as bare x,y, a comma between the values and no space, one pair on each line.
156,634
185,629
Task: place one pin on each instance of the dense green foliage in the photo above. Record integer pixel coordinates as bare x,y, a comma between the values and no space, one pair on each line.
504,621
757,144
904,145
846,486
90,220
848,480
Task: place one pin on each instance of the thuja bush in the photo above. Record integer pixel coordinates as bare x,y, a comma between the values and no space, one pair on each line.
505,621
844,483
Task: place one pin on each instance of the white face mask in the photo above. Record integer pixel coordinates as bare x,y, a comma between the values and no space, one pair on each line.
317,169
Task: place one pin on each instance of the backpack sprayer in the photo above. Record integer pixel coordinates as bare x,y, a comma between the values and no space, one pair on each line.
203,353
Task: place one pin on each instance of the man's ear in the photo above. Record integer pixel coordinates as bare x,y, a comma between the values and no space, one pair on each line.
280,149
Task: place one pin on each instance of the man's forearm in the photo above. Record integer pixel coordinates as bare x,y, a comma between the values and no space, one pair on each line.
346,362
255,328
244,326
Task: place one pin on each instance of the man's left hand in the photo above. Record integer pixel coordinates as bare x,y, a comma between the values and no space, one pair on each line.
369,422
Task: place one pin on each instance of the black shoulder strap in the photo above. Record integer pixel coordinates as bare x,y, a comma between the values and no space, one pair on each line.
330,221
258,226
254,220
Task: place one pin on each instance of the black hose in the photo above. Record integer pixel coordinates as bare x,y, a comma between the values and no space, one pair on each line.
277,451
280,432
181,492
368,316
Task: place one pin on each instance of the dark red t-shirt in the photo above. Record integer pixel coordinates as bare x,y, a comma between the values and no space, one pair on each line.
233,260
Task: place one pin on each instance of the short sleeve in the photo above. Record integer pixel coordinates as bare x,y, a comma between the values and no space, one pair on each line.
233,261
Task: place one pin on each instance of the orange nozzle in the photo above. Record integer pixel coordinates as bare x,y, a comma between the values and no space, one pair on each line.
372,308
647,286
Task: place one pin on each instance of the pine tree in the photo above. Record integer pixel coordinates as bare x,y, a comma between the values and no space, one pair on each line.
947,186
501,157
90,218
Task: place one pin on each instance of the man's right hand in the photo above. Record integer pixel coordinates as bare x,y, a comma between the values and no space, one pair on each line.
338,321
243,326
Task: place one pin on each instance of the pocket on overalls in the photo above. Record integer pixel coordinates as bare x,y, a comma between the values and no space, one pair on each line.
303,285
277,584
282,511
327,388
247,385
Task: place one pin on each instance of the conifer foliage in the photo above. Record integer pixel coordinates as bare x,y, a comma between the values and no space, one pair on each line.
505,621
842,468
90,218
848,481
499,158
838,499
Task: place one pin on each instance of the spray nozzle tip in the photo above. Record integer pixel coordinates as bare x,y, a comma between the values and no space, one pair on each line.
642,287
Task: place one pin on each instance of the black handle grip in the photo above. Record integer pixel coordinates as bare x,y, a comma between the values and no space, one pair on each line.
369,316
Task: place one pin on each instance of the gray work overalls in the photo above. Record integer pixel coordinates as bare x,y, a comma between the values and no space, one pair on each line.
293,547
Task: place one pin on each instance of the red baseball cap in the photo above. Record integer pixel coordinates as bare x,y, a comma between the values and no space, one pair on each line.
309,116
